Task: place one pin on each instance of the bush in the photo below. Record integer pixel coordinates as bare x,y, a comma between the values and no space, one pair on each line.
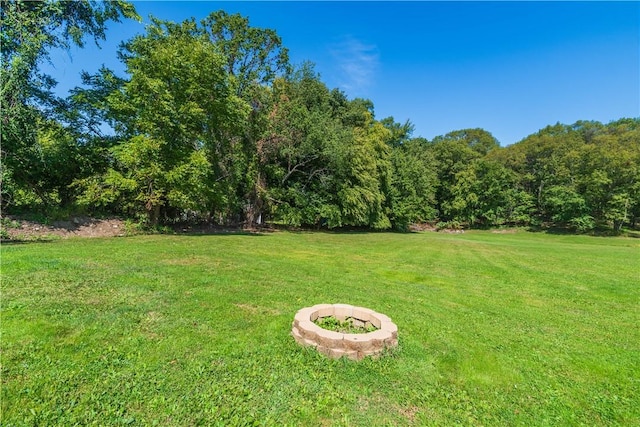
449,225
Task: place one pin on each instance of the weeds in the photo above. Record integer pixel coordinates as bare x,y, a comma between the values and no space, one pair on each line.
348,326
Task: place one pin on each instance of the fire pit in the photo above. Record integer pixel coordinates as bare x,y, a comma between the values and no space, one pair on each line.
354,346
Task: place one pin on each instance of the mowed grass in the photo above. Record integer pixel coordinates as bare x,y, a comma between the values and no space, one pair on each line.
494,329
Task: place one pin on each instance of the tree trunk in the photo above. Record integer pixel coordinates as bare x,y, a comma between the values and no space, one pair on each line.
154,214
253,213
617,225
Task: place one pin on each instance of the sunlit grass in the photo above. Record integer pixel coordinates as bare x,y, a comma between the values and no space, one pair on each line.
495,329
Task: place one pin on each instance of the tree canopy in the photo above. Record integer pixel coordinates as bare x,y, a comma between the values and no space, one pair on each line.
212,123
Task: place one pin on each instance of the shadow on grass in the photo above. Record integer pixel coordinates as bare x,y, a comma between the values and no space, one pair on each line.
13,242
214,230
340,230
208,230
598,232
219,233
561,231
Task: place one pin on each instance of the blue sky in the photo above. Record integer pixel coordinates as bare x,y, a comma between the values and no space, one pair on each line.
508,67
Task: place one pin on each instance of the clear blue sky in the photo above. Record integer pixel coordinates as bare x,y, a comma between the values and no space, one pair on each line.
508,67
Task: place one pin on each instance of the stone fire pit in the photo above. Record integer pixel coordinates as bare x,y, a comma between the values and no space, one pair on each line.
336,344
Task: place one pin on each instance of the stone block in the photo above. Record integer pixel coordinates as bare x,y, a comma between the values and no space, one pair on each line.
318,309
327,351
391,327
363,314
378,337
325,312
359,342
375,321
303,314
337,353
330,339
295,332
357,323
313,327
296,336
353,355
307,329
342,311
383,318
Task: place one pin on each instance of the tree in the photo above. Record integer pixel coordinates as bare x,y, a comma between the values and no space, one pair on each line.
609,172
296,149
400,133
543,161
414,183
253,58
327,160
29,30
479,140
568,207
174,117
583,175
454,152
364,177
500,198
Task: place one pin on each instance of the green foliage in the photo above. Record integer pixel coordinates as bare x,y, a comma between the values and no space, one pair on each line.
363,177
212,124
5,224
37,152
252,55
449,225
320,171
414,183
486,193
174,118
298,149
253,59
582,175
347,326
400,132
455,154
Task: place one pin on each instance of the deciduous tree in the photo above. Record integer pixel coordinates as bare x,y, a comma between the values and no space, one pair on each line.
29,31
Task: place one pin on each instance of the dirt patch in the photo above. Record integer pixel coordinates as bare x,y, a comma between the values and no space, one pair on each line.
422,227
505,231
20,229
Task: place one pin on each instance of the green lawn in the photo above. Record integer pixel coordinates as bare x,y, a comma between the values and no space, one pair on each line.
495,329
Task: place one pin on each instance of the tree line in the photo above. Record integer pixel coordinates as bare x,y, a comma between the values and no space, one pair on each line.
211,123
